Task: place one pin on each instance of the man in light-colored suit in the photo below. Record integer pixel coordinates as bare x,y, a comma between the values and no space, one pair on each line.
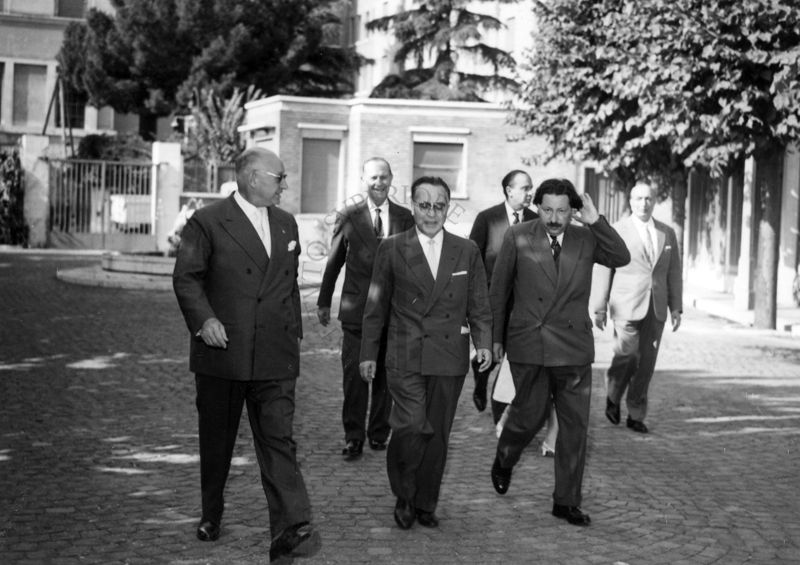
545,266
236,282
358,230
638,295
487,231
429,289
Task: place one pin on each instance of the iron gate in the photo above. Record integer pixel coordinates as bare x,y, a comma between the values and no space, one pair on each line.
101,205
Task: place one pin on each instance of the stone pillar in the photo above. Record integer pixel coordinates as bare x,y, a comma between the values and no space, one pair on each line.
742,287
36,208
167,188
787,254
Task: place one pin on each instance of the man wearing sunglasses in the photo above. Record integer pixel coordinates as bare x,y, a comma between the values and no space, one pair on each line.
429,289
236,282
356,234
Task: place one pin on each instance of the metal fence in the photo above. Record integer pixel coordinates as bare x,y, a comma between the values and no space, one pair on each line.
100,202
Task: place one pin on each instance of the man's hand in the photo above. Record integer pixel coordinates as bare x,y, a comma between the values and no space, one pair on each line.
213,334
484,357
600,319
588,214
497,351
676,320
367,370
324,315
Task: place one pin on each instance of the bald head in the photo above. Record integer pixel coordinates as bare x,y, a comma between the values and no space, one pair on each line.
260,176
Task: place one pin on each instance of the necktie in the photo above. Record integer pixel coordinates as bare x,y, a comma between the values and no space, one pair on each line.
263,229
516,218
554,245
378,224
650,248
433,261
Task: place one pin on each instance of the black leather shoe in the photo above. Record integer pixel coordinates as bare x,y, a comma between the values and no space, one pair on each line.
404,513
636,425
377,445
481,382
571,514
427,519
300,540
207,531
612,411
501,478
353,449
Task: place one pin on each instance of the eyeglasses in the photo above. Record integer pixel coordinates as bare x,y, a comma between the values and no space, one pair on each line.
281,177
437,207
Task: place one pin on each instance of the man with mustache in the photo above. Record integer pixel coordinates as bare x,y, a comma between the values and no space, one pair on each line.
545,268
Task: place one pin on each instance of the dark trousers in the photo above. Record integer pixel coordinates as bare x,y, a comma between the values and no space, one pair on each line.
270,409
537,387
636,346
357,392
422,416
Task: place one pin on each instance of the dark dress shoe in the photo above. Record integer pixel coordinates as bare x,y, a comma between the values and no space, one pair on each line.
207,531
377,445
404,513
481,382
636,425
571,514
427,519
353,449
300,540
501,478
612,411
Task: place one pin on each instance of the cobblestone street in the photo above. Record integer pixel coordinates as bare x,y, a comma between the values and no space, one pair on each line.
99,464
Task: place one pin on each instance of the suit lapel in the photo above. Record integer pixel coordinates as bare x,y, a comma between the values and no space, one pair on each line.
417,262
537,238
568,260
237,224
661,240
395,220
362,220
280,242
447,262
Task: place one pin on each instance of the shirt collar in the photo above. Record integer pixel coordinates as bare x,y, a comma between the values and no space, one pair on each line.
649,223
250,210
510,212
438,238
373,206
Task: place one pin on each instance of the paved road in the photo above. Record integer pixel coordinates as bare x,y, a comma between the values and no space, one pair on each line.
98,450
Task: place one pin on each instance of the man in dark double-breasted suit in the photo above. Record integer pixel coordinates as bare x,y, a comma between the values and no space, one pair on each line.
236,282
356,234
487,231
429,290
545,266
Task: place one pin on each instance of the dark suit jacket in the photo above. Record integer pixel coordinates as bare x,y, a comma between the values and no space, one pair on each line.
627,290
354,245
488,230
429,323
222,271
549,323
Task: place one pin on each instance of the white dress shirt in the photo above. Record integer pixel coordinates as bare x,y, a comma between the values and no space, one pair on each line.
647,230
510,213
259,217
432,248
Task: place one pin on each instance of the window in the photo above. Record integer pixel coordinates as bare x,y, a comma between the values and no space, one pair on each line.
74,108
70,8
442,157
320,175
30,95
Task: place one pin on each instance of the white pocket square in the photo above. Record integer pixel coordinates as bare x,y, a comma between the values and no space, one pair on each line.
292,245
464,330
666,247
459,273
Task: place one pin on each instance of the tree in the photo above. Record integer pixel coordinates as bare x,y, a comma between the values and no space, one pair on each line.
213,135
151,56
436,33
659,88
